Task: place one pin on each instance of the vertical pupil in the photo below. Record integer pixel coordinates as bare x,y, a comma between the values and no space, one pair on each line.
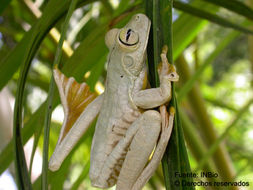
128,34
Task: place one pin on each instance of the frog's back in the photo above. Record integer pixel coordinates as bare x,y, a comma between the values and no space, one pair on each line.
116,115
125,62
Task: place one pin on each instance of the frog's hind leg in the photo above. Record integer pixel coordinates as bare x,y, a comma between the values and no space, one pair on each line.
140,138
80,109
134,174
167,126
140,149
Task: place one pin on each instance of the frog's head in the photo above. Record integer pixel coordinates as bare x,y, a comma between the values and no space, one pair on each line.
131,43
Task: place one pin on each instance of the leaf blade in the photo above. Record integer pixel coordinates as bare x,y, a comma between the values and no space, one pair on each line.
235,6
210,17
189,84
4,4
173,160
48,114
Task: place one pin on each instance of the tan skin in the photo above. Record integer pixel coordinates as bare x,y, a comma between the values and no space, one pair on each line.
128,128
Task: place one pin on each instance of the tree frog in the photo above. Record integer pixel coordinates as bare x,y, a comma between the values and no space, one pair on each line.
130,135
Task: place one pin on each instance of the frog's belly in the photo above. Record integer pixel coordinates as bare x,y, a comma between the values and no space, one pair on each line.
109,130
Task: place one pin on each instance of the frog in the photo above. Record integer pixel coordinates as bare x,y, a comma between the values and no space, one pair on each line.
133,125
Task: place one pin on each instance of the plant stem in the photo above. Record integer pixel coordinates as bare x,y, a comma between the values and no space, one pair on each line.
175,158
50,97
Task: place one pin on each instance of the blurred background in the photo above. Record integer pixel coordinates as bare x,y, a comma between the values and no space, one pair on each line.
213,59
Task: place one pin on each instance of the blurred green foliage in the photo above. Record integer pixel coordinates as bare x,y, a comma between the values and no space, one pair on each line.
222,87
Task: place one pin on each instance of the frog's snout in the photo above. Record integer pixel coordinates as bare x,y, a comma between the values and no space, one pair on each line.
137,18
141,17
141,24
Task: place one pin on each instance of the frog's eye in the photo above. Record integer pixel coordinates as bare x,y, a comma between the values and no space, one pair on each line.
128,37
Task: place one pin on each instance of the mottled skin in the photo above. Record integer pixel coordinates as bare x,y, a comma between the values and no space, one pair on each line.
125,75
127,129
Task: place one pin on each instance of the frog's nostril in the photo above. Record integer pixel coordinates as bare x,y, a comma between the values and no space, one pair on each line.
137,18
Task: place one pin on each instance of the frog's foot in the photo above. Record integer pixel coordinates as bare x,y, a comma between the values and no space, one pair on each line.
165,69
75,98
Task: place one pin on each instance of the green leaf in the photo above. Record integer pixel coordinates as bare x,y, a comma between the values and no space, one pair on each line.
28,130
220,139
86,55
182,39
195,144
82,176
48,114
32,39
175,158
235,6
23,179
191,24
56,179
209,16
123,5
70,67
199,110
96,72
4,4
37,134
189,84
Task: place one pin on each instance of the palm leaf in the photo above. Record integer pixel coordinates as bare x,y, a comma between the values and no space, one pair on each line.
209,16
50,96
4,4
235,6
175,158
189,84
193,25
32,39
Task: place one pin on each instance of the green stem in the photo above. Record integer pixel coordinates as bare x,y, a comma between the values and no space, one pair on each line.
22,175
175,158
47,120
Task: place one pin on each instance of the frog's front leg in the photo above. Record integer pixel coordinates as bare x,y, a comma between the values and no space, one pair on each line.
134,174
154,97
